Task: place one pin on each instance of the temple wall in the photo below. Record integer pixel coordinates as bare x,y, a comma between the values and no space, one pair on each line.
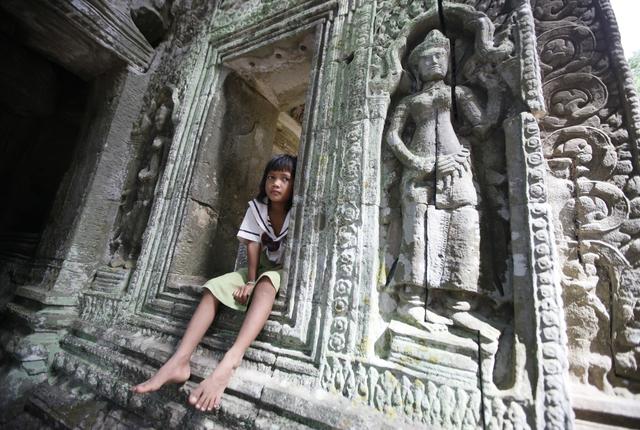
464,244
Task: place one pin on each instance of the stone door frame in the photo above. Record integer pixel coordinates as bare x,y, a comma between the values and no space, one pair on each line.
149,304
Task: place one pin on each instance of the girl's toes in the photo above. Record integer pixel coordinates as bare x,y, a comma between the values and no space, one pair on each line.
210,405
217,401
195,395
203,403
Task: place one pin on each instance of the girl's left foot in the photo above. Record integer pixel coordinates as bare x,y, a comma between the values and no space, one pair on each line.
208,395
176,370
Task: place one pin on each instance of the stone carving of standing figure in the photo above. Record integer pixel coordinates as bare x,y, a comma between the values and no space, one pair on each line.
440,248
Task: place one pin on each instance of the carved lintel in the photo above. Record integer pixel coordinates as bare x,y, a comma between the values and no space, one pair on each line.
87,37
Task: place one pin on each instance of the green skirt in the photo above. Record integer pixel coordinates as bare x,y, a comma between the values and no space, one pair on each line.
223,286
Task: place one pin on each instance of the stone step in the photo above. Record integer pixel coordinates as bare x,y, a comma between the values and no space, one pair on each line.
110,280
252,400
46,297
48,318
596,410
71,406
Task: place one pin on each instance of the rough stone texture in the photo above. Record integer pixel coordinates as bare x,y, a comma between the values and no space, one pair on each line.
86,37
465,244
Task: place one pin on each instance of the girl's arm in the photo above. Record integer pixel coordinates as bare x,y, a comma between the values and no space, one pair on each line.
253,257
242,294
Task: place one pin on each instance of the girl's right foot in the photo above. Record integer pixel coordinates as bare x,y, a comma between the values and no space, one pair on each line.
173,371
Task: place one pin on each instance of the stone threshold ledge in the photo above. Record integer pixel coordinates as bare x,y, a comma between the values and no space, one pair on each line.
595,407
135,351
252,400
261,351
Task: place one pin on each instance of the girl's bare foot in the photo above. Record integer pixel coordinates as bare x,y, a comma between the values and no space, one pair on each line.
208,394
174,371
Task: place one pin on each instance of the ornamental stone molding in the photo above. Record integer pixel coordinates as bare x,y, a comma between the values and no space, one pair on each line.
464,248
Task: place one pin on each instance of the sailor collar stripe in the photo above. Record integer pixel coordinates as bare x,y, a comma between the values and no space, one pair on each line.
260,213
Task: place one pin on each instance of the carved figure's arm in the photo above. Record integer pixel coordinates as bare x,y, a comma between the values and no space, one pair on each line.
469,106
406,157
480,118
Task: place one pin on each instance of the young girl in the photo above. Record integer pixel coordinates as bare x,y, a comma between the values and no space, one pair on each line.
264,230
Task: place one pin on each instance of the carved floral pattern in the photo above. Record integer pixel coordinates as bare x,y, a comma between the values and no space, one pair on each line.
425,403
594,110
97,307
346,221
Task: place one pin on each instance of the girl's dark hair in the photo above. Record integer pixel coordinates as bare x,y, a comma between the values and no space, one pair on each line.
278,163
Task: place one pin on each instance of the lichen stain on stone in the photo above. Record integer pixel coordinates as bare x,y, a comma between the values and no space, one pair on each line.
519,265
203,215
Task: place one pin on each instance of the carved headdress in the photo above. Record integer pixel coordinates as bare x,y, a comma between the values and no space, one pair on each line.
435,39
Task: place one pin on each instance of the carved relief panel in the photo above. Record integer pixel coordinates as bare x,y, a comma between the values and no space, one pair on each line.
153,135
589,146
445,81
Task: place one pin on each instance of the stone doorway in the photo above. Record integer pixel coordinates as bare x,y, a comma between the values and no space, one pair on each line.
41,114
259,113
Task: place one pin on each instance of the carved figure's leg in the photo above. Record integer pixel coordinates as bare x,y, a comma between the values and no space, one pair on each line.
411,262
209,393
410,271
177,368
460,247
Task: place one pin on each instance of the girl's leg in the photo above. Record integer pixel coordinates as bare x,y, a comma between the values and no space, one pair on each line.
209,393
177,369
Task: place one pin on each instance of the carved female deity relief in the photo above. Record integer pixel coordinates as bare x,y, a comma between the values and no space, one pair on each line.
439,216
443,274
153,133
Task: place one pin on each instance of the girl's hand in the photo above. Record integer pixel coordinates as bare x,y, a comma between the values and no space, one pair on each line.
242,294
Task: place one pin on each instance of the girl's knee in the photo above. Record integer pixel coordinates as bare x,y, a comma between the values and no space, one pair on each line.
208,296
265,285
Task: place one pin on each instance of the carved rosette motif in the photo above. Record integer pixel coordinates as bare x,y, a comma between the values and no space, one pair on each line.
347,221
530,85
547,301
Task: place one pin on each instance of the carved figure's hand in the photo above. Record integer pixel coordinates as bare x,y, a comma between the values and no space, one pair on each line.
452,166
423,164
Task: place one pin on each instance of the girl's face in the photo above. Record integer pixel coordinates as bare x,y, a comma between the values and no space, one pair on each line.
279,186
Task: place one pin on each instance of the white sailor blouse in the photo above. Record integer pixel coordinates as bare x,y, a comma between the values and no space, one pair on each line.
256,227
